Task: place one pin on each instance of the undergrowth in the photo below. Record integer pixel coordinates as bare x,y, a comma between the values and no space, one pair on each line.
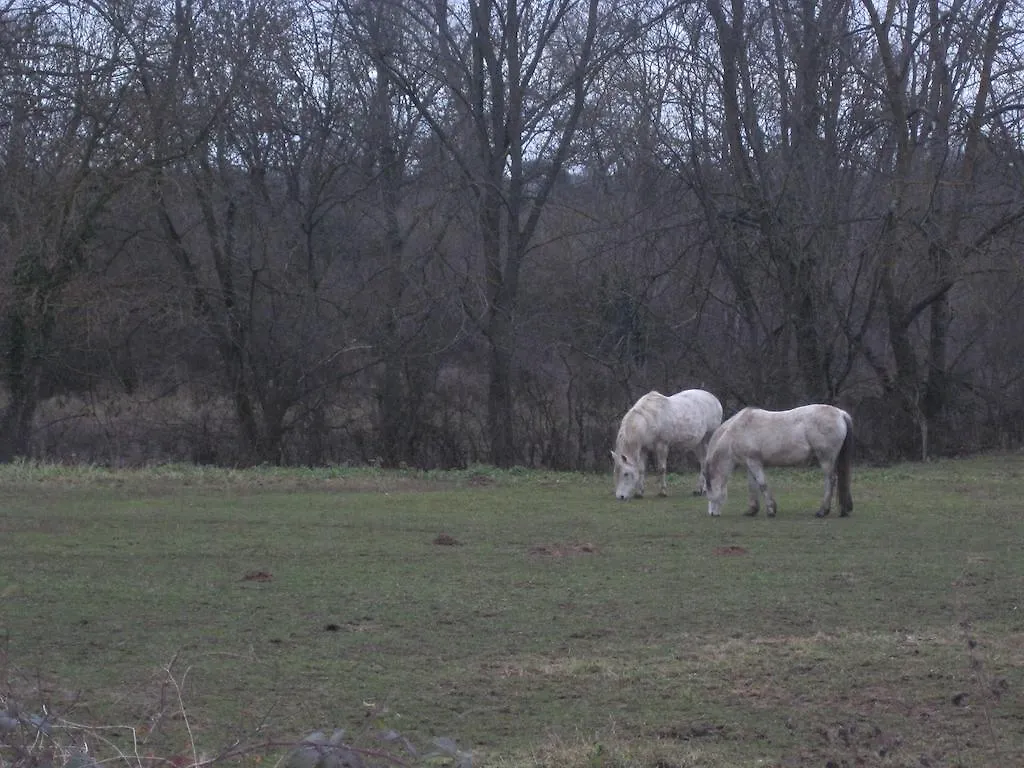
36,734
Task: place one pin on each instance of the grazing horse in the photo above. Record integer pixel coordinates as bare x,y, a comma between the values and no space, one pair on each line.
756,438
655,423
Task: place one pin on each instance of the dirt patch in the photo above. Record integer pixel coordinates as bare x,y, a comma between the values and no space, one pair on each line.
258,576
563,550
444,540
732,549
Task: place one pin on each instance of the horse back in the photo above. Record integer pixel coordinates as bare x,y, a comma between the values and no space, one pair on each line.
696,414
685,418
788,437
828,424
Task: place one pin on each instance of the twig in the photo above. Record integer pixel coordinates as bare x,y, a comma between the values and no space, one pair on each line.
181,708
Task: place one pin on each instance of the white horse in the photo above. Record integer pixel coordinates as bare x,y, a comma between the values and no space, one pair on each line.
756,438
655,423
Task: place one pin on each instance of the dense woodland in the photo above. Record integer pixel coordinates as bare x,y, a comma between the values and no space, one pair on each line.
435,233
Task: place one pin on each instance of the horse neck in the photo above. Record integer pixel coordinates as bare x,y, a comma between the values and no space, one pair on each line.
720,459
627,442
627,447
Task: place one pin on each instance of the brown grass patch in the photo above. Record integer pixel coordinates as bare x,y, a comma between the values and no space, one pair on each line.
732,549
563,550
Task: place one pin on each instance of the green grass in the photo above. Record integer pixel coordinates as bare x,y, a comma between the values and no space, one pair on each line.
563,628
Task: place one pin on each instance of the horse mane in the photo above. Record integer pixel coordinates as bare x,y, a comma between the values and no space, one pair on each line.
734,422
722,435
629,439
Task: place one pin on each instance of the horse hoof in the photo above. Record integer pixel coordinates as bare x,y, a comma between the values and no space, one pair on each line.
820,513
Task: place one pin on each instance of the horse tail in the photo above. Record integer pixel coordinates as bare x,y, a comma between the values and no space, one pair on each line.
843,467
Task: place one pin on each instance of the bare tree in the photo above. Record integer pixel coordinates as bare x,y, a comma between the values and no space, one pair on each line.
776,217
938,81
404,179
253,160
68,150
510,82
434,233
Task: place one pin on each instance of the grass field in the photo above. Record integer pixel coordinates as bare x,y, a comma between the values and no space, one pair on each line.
529,616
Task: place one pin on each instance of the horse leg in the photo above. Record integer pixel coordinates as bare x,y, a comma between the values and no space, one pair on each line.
662,455
830,486
701,452
755,492
641,473
758,482
843,473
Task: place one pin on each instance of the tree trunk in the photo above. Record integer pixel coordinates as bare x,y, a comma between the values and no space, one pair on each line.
23,386
500,334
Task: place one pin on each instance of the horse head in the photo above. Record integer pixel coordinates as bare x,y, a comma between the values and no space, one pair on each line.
627,476
715,484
